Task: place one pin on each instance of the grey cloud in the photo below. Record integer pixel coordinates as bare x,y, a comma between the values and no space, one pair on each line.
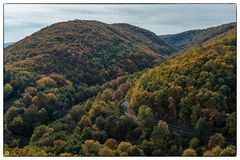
21,20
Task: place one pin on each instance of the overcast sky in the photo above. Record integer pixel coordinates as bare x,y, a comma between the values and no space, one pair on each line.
21,20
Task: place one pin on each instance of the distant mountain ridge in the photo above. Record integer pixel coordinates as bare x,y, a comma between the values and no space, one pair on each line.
8,44
184,40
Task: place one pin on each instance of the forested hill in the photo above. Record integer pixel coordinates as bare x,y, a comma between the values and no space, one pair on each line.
184,40
184,106
80,49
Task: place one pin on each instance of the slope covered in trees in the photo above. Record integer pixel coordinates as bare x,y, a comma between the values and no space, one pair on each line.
184,40
79,49
184,106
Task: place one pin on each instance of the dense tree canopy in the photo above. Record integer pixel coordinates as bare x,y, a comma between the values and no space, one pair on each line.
185,106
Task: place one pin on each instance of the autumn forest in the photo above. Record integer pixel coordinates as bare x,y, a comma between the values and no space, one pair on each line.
87,88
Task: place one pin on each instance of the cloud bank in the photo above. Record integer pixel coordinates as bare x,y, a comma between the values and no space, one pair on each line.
21,20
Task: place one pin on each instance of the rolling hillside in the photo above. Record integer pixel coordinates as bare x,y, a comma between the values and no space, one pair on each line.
80,49
184,40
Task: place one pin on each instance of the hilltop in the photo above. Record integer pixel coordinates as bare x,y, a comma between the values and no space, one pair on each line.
81,49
